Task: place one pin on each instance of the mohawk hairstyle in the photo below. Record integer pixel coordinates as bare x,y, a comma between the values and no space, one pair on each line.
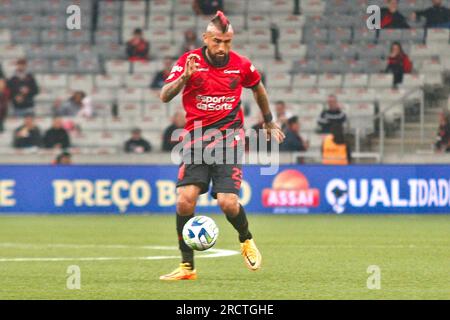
221,22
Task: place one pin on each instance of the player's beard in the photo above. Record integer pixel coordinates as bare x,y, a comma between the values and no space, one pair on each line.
217,60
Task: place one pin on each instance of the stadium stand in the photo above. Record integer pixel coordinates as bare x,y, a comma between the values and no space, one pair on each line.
307,49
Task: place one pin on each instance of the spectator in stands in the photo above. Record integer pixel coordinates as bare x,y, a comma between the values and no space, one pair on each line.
207,7
391,18
281,114
178,122
56,137
64,158
71,107
23,88
4,100
443,134
437,16
332,115
27,135
191,41
137,47
2,75
137,144
158,80
335,149
293,141
398,63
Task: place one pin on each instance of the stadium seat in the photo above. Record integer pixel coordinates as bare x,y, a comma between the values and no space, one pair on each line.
129,95
108,22
103,94
311,95
159,21
162,50
355,80
261,51
259,36
49,36
282,7
112,81
438,35
106,36
364,35
259,6
290,35
381,80
130,109
310,109
134,6
183,7
155,109
329,81
52,81
22,36
133,20
413,81
161,7
78,37
141,80
390,35
317,34
159,35
182,22
235,6
38,65
5,36
279,80
288,21
151,96
292,51
305,66
79,82
255,21
117,66
413,35
304,80
340,35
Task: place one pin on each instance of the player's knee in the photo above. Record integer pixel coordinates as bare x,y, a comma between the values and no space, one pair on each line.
185,205
229,206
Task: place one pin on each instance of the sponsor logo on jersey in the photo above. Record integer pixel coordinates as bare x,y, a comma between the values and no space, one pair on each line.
208,103
232,71
176,68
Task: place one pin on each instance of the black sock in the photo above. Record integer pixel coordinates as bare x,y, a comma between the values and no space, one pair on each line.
240,223
187,254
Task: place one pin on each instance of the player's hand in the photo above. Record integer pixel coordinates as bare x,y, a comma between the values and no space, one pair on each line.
191,65
272,129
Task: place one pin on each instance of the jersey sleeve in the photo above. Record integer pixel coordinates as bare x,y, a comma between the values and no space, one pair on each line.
177,69
250,75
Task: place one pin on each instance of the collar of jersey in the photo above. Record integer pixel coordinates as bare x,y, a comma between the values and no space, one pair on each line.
210,63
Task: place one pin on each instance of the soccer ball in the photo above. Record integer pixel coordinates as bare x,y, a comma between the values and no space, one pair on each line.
200,233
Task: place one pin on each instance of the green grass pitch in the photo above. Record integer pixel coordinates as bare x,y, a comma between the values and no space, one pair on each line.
304,257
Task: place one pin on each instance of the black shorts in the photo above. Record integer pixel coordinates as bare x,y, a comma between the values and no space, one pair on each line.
225,171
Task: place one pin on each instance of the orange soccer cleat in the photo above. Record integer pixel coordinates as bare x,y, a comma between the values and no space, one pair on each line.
183,272
251,254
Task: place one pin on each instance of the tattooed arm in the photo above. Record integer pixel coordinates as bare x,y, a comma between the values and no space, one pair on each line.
170,90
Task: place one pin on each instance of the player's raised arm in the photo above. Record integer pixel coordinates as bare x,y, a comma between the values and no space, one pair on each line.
171,89
262,99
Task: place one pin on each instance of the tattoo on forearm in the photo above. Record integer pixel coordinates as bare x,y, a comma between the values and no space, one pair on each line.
169,91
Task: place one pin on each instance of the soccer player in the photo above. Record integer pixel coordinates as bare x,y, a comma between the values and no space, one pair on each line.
212,79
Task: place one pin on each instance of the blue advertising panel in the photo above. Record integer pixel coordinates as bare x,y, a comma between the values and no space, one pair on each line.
294,189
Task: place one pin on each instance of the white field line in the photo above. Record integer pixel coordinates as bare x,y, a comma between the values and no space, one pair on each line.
211,253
